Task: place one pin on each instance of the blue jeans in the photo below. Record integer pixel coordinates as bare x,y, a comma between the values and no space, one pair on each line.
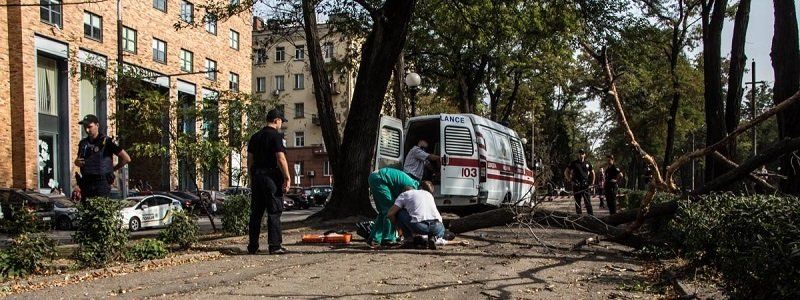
425,227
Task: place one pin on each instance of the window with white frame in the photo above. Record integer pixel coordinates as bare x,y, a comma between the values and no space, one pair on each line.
233,82
299,81
92,26
211,69
128,40
187,12
50,12
280,52
211,23
327,50
261,56
300,52
261,84
234,39
299,139
299,110
326,168
187,58
160,51
279,83
160,5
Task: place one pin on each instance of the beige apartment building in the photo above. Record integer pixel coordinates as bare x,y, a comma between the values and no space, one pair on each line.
281,72
47,45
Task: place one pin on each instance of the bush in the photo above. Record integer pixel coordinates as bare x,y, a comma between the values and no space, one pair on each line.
146,249
183,230
23,221
236,215
100,236
26,255
753,241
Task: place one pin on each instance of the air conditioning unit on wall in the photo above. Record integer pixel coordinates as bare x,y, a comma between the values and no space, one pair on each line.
311,174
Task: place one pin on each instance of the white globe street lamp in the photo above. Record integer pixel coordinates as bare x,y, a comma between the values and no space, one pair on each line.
412,81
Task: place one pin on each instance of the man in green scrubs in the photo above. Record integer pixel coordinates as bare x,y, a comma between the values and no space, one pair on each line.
386,184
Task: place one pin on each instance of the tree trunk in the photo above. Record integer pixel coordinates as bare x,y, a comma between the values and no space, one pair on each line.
397,87
379,54
713,15
733,103
786,63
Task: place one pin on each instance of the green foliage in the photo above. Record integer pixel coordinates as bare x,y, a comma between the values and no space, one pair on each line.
100,234
236,215
183,230
23,221
146,249
27,254
753,241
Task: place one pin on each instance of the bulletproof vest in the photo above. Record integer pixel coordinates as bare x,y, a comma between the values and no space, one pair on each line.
96,163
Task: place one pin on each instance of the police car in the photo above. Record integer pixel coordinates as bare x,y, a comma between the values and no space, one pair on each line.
149,211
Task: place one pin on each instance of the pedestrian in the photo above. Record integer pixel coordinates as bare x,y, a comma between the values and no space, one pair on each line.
415,213
611,184
580,174
95,160
269,179
417,160
386,184
76,194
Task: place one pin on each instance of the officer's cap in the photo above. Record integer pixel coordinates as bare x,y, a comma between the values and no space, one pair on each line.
89,119
275,114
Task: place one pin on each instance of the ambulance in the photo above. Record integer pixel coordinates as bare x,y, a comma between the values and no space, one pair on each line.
482,162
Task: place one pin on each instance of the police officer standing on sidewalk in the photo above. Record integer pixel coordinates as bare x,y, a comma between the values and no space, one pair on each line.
611,184
269,179
580,174
95,160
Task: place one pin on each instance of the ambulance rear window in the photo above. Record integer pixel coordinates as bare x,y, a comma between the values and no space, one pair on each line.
458,141
389,142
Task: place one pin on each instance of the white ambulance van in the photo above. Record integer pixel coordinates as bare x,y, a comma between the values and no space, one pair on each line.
483,162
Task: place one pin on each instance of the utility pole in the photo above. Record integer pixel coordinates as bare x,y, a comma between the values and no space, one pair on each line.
754,104
123,180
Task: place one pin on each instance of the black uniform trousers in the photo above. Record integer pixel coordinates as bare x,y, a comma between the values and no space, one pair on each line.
93,186
266,194
611,190
581,191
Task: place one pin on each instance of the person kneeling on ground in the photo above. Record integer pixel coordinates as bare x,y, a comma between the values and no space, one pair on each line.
414,212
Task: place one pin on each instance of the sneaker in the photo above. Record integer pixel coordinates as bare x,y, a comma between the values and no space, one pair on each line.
278,251
431,242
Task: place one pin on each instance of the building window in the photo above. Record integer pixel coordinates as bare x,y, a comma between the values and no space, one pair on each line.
128,40
279,53
300,52
160,51
211,23
234,82
234,40
299,139
234,2
160,5
50,11
211,69
279,83
327,50
326,168
299,110
92,26
187,12
261,84
261,56
299,81
187,58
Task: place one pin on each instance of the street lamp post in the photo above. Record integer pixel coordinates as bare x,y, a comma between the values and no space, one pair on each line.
412,81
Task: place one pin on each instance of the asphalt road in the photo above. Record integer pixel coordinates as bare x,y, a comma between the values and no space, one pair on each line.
64,237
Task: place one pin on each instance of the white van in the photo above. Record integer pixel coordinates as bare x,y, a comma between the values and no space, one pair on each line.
483,162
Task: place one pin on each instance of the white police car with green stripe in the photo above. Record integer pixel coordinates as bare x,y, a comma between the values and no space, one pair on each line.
149,211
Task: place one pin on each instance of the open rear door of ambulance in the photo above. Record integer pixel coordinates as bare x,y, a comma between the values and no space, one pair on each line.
459,156
390,143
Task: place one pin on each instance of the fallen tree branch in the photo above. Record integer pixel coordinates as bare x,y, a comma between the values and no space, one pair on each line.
755,179
627,216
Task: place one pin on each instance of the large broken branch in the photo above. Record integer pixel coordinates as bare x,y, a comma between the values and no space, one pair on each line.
755,179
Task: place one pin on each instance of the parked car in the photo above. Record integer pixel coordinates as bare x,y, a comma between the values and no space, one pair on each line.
187,199
66,214
40,204
235,190
288,203
317,194
149,211
299,197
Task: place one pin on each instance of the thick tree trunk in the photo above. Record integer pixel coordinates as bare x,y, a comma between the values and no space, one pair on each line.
713,15
733,103
673,115
397,87
379,54
786,63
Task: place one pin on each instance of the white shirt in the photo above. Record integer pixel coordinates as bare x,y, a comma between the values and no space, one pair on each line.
415,162
419,204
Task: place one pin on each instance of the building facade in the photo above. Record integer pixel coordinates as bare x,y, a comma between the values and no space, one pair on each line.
281,72
44,90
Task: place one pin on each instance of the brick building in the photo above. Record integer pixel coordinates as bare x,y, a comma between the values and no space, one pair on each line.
281,71
47,47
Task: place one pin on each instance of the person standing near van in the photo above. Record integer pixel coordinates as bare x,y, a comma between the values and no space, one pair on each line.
581,175
417,159
386,184
611,184
269,179
95,153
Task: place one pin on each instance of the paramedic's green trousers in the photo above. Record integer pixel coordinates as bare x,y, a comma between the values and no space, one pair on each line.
382,230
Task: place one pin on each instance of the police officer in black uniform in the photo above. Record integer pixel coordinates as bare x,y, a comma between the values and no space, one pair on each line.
269,179
580,174
613,176
95,160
